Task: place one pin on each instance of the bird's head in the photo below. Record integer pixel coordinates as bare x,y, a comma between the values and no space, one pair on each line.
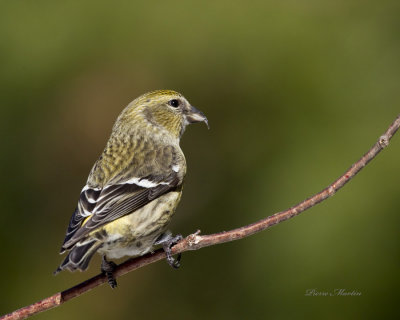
163,108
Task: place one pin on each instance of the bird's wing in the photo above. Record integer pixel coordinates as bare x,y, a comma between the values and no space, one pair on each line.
98,206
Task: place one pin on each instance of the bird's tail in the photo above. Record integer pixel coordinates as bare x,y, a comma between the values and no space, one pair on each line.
79,256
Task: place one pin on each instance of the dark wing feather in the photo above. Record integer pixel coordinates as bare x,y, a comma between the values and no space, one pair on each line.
114,202
86,204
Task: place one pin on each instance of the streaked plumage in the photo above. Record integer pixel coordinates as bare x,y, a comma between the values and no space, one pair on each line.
134,187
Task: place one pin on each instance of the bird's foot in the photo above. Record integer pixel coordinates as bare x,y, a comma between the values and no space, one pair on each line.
108,268
167,241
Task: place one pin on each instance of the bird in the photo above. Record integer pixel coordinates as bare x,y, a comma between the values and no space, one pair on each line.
134,187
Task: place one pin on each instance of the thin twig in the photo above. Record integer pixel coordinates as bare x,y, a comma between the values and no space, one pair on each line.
196,241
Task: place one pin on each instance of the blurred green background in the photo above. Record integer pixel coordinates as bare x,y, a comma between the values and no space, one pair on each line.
295,91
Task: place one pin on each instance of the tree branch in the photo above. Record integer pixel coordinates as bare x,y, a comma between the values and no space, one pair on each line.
196,241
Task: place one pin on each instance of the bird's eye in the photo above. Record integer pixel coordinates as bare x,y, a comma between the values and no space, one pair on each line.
174,103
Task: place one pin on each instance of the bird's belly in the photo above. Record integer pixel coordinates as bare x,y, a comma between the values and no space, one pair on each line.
135,233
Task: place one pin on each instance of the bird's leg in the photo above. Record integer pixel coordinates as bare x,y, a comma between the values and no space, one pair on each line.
167,241
108,268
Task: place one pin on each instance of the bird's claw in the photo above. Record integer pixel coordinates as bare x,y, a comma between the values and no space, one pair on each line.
108,268
167,241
